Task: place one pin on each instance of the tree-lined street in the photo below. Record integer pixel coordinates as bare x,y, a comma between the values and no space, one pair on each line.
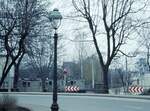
75,46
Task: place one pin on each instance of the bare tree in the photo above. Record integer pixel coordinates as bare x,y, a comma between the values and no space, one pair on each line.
117,26
8,24
40,51
21,22
40,56
144,33
121,77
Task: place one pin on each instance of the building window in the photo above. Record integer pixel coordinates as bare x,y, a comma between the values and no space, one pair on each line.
24,84
71,83
28,84
40,83
3,84
50,83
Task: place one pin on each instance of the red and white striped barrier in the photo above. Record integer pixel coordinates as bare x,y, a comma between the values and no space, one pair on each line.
136,89
72,88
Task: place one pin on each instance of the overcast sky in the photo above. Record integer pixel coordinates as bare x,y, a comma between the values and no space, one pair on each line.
67,30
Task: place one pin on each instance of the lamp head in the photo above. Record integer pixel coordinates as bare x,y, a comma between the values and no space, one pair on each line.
55,18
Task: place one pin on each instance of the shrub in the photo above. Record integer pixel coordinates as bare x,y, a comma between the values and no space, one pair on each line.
8,103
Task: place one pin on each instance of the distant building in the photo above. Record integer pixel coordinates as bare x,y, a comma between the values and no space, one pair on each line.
8,84
62,83
92,73
49,85
30,85
72,70
89,71
142,80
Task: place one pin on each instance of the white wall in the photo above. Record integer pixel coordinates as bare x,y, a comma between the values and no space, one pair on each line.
145,80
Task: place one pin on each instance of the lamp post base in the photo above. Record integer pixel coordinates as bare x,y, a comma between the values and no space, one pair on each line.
54,107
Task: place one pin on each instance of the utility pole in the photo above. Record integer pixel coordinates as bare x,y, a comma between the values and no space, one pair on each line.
81,66
126,69
93,75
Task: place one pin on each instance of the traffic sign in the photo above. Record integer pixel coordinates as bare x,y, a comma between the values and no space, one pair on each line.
136,89
65,71
72,88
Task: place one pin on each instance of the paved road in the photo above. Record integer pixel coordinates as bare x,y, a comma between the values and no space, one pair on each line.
83,103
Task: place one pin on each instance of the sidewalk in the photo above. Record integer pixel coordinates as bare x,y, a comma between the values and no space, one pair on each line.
36,107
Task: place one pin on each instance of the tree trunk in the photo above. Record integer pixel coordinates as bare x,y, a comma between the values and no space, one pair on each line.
105,79
16,76
17,72
148,48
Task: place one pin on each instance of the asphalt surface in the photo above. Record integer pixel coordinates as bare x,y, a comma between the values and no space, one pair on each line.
83,103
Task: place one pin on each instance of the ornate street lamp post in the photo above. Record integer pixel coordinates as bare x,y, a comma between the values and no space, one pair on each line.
55,19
